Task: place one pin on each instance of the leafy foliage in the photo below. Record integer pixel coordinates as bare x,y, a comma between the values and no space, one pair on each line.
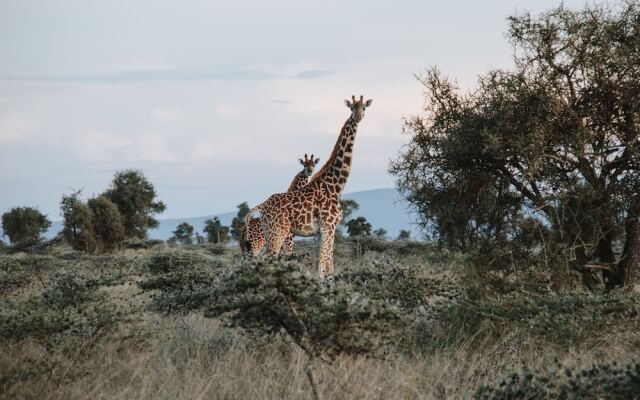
107,223
380,233
324,320
561,319
601,381
348,207
135,198
184,233
556,134
78,223
24,226
237,223
67,303
216,232
359,227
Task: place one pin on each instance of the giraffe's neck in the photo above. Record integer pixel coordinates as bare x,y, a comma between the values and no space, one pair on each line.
335,171
299,181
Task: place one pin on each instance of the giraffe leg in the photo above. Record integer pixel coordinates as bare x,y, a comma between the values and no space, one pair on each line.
287,246
325,266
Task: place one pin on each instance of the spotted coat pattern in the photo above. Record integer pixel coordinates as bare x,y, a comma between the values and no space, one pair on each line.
252,237
315,209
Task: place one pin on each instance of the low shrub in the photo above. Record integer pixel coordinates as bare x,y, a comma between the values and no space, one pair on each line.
175,260
601,381
139,244
561,319
67,304
324,318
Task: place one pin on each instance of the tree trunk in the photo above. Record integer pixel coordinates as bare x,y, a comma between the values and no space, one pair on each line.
312,381
625,273
626,269
604,252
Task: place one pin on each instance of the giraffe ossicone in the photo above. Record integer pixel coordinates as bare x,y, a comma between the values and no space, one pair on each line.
315,208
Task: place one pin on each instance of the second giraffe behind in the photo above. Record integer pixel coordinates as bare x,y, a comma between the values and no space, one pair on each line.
316,207
251,235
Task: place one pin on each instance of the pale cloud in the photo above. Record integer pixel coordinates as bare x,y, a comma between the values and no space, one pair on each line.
227,110
165,114
155,149
15,129
96,146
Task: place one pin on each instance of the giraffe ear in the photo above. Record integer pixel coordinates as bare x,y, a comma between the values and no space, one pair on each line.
316,161
348,103
301,161
368,103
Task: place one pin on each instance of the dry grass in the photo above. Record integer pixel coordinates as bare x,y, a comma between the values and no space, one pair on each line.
146,355
193,357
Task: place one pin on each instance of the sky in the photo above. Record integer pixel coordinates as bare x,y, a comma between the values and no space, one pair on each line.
216,100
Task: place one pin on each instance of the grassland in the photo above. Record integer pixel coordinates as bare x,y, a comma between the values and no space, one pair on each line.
139,324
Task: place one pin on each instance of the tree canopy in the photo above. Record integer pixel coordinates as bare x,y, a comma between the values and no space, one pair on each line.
555,138
24,226
136,200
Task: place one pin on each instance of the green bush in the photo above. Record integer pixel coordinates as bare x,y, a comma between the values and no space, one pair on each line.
561,319
16,272
174,260
324,318
78,228
67,304
107,223
139,244
24,226
605,381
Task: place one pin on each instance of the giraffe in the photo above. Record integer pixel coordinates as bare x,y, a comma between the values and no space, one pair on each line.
316,207
252,237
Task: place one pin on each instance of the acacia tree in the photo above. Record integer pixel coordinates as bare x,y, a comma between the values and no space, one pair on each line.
136,199
237,223
24,226
78,222
557,132
359,227
380,233
184,233
216,232
107,223
404,235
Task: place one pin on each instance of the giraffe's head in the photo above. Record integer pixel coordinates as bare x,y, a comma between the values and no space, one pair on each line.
309,164
357,107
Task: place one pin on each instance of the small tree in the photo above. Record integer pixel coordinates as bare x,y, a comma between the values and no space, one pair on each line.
136,199
184,233
200,239
322,320
107,223
238,221
78,223
359,227
380,233
24,226
404,235
348,207
216,232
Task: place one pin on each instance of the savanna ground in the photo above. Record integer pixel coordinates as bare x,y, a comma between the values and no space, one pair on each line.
399,320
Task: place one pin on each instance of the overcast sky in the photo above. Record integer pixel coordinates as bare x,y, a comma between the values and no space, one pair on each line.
216,100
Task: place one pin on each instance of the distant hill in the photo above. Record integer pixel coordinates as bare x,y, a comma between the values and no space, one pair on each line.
383,208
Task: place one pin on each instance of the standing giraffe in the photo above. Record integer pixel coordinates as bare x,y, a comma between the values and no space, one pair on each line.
315,208
251,235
